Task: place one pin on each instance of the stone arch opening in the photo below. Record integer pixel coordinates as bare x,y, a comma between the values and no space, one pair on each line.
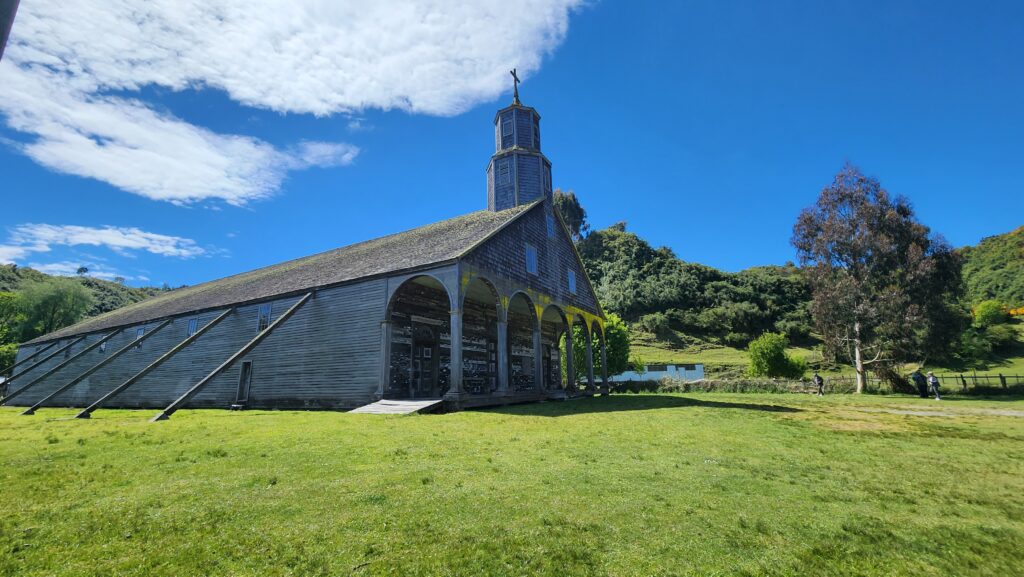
480,314
553,327
522,324
420,340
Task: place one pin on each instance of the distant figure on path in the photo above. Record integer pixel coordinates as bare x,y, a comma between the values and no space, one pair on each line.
820,383
921,382
933,385
963,383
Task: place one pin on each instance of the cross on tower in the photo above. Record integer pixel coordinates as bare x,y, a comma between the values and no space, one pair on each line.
515,86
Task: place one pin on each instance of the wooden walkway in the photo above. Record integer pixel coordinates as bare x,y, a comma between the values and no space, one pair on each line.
388,407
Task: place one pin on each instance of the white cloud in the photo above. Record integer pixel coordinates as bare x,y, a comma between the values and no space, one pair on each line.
26,239
291,56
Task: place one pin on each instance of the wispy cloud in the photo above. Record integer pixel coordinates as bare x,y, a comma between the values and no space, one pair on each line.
28,239
68,268
291,56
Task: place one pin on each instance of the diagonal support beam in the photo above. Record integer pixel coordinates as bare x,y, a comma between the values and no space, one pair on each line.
152,366
46,358
42,350
102,363
31,410
170,410
47,373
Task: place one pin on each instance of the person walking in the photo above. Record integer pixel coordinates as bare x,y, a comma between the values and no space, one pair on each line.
920,382
820,383
933,385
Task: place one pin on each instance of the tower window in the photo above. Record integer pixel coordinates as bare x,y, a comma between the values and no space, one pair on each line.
193,326
536,133
264,317
547,178
531,259
504,171
506,127
572,281
551,225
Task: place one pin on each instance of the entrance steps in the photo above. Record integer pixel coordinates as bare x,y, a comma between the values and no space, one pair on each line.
391,407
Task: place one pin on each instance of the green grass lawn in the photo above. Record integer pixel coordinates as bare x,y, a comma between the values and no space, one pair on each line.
709,484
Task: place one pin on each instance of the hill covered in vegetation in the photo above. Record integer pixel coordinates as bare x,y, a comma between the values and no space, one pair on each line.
106,295
994,269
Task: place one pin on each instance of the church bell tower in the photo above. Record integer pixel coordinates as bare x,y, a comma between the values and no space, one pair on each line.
518,173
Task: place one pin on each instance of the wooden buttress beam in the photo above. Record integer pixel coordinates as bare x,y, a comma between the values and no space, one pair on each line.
85,414
177,404
47,373
31,410
27,359
47,357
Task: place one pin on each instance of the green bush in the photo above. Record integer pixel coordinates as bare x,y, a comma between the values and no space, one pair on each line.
989,313
768,358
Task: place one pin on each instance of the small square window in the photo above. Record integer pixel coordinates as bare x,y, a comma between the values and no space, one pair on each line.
531,259
264,318
572,282
504,171
551,226
193,326
139,332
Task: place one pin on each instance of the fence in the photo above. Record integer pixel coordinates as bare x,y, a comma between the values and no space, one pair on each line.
950,383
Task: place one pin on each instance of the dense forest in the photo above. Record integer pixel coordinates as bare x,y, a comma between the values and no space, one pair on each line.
995,269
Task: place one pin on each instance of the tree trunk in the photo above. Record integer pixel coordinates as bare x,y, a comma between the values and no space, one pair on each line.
858,362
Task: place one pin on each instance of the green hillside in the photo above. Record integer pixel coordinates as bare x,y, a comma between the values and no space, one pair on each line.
107,295
995,269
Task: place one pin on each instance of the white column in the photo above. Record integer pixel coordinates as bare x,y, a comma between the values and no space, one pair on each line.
504,368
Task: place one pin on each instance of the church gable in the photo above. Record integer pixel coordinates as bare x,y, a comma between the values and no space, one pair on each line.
539,231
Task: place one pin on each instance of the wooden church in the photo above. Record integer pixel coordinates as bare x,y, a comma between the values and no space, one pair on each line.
471,310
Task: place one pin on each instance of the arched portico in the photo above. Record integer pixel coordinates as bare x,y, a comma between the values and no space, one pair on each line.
523,341
417,338
556,364
481,319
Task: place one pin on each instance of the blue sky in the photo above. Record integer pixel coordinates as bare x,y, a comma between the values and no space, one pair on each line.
179,142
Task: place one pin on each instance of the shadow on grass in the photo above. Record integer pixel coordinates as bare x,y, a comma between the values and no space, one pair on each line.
616,403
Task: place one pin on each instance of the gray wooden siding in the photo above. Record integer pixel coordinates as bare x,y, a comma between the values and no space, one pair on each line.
505,255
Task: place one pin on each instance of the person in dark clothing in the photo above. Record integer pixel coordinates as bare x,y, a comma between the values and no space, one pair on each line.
963,383
1002,380
920,382
820,383
933,385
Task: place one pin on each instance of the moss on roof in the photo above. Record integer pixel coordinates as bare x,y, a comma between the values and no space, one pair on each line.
431,244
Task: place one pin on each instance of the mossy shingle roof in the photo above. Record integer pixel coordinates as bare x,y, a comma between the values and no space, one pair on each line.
431,244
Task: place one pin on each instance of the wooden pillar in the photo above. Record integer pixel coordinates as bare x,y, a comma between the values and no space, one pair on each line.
455,385
504,368
605,387
538,361
385,361
590,361
570,369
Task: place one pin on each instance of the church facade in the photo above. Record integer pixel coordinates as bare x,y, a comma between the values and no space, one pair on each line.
473,310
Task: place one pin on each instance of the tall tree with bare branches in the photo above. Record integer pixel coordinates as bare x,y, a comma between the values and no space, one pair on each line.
885,289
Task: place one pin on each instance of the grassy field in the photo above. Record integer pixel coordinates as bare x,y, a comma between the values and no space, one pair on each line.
625,485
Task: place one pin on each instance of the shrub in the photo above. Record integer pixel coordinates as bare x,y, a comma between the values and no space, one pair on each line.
768,358
990,312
